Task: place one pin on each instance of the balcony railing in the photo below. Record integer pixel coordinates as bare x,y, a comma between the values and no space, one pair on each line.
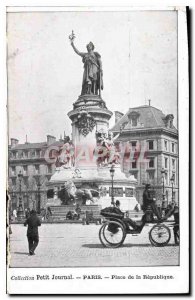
11,158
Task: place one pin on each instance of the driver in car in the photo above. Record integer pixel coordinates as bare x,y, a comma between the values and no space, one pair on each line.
128,221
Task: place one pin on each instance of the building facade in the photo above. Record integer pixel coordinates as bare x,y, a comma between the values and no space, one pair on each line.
148,145
30,167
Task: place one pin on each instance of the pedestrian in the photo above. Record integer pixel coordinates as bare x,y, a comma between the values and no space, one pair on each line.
32,232
77,212
10,229
117,204
137,207
43,213
49,211
176,225
173,209
27,213
14,214
69,215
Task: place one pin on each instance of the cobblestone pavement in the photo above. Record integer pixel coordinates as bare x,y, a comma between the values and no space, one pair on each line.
76,245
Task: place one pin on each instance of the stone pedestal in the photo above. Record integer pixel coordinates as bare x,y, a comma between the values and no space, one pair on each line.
99,179
89,117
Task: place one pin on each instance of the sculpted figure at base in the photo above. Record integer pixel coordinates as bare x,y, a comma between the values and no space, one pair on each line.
66,158
92,75
107,152
70,194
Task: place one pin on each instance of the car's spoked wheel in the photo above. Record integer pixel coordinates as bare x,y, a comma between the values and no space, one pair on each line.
159,235
101,236
112,234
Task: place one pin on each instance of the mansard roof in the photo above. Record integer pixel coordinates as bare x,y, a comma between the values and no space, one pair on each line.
149,117
28,146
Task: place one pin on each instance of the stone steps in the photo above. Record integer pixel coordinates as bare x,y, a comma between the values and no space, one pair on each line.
64,209
59,214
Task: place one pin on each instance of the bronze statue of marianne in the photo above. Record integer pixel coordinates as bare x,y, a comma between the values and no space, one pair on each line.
92,75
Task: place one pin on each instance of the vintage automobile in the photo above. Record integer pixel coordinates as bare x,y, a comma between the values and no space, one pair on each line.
114,230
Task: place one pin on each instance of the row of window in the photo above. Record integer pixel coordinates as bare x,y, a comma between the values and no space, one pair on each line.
167,195
25,154
166,178
135,144
173,163
151,176
25,170
151,163
151,145
26,182
166,146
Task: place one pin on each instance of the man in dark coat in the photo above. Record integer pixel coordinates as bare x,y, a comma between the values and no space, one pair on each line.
148,200
173,209
32,232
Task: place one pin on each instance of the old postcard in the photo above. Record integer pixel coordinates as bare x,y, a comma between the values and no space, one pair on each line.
97,176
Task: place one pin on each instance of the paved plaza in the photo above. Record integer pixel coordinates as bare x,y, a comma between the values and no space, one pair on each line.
77,245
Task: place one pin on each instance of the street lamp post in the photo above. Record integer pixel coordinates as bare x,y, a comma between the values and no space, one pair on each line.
27,198
20,212
39,198
112,181
163,182
34,203
172,182
37,194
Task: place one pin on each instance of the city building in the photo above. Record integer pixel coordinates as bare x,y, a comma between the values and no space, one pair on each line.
148,142
30,167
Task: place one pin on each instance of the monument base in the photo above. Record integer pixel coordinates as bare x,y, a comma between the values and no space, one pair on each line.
99,180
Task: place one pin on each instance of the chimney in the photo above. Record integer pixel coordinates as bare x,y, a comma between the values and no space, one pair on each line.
26,140
168,120
118,116
50,139
149,101
14,142
60,139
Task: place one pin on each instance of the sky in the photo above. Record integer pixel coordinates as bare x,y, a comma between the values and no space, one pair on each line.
139,58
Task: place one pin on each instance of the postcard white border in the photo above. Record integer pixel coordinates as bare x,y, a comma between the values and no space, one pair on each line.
180,273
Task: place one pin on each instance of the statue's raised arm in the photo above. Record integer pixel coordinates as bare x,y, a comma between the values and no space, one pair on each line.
76,50
92,76
72,37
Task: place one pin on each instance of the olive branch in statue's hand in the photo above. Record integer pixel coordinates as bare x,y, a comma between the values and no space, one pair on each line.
72,37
